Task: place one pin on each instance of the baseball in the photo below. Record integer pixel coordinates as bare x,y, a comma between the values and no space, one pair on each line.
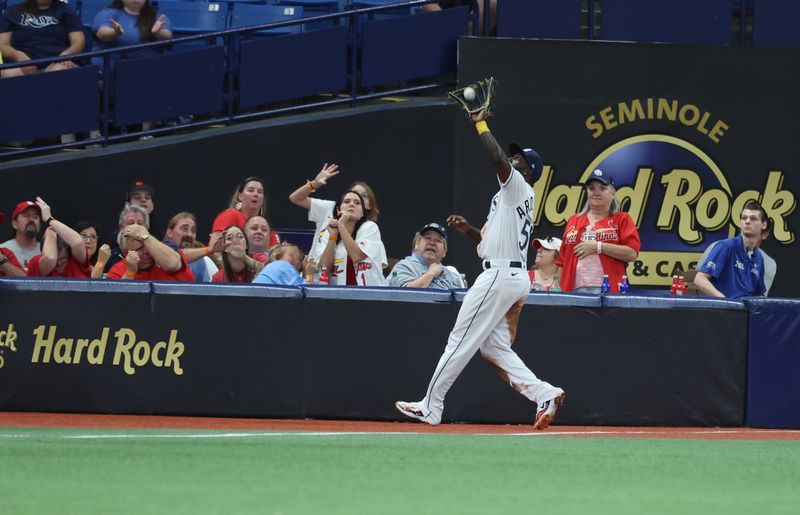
469,93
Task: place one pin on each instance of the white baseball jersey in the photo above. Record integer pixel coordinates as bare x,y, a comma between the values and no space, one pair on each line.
320,212
368,272
510,222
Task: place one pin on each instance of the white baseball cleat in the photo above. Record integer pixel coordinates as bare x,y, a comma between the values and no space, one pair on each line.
547,411
413,410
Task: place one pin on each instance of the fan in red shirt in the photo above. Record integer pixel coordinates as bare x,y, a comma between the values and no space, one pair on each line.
63,250
237,265
9,265
248,200
600,240
259,236
147,259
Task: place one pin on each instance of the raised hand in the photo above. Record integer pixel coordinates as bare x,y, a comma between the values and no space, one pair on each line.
326,173
117,27
132,261
104,253
159,24
459,223
216,242
46,214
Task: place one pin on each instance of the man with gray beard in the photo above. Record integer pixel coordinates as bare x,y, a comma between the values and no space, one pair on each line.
26,221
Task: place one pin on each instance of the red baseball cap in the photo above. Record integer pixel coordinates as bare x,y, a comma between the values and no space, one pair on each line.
22,206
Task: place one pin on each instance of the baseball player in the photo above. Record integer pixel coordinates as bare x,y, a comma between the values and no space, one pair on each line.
490,312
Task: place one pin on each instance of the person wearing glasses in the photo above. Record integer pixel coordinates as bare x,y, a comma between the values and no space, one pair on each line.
237,265
98,254
322,211
63,250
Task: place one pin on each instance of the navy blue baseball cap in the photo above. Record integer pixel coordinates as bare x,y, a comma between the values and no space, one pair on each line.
600,175
531,156
436,227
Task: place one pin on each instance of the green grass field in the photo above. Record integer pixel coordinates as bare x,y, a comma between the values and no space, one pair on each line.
155,471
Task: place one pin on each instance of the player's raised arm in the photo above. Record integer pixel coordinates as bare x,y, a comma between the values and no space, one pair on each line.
493,150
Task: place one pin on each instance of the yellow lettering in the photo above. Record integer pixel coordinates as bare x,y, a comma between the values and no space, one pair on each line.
718,131
713,210
562,202
126,338
683,187
175,350
778,204
43,344
685,111
97,349
158,347
664,107
632,113
63,351
702,125
82,344
141,354
608,118
592,125
634,199
8,338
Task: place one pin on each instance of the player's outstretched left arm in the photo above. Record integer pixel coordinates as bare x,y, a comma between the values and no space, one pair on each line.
496,154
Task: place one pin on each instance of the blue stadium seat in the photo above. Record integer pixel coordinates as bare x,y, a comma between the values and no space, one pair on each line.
317,8
247,15
775,23
673,21
385,14
89,9
411,47
189,18
553,19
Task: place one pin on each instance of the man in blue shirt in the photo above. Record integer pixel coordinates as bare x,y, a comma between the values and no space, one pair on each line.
423,268
735,267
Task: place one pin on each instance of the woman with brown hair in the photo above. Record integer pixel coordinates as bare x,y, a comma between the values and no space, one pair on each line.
237,265
249,199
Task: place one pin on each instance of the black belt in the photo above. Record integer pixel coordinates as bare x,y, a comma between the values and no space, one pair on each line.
501,263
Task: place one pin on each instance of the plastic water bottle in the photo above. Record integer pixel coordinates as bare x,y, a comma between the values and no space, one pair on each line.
323,277
556,286
315,279
623,286
605,288
393,280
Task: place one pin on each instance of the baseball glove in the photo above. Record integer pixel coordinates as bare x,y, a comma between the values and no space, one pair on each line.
476,97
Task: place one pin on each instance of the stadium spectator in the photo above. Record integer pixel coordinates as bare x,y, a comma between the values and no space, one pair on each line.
63,250
8,261
98,253
600,240
286,267
130,215
182,234
147,259
354,253
544,267
735,267
237,265
129,22
322,211
248,199
423,268
770,266
257,232
26,221
36,29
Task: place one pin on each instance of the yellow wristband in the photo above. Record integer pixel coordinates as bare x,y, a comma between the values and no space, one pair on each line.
99,265
129,275
207,251
481,127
